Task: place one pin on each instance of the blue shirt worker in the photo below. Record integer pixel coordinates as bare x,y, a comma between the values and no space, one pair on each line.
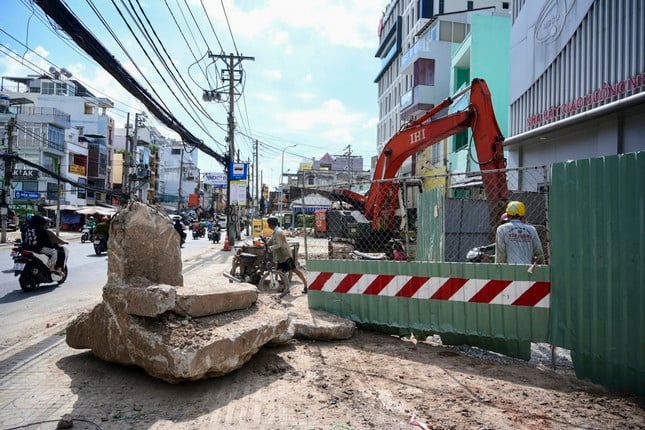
515,241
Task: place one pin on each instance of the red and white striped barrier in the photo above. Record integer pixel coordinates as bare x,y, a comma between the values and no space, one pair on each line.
502,292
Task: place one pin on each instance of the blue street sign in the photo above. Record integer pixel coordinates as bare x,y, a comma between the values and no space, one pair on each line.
238,171
29,195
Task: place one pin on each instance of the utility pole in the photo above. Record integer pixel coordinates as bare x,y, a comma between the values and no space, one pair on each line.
181,176
8,175
233,74
126,158
257,178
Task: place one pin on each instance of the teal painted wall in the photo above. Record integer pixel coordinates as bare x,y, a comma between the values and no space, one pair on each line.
490,60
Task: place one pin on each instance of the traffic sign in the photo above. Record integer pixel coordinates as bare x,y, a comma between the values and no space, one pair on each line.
29,195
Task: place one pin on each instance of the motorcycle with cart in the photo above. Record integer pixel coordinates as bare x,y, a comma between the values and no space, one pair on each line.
254,264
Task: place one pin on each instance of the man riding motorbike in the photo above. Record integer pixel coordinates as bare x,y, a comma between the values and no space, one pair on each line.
38,239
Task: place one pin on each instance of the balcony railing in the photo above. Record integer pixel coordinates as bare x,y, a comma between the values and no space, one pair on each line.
421,49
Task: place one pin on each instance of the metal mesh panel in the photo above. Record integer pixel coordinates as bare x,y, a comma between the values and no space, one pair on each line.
437,218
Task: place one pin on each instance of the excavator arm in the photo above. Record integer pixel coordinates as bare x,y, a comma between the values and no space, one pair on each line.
380,203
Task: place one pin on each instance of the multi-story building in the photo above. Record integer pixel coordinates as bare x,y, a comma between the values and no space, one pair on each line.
331,171
179,176
416,42
577,80
87,114
39,138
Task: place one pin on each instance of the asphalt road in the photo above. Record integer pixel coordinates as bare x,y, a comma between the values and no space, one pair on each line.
26,315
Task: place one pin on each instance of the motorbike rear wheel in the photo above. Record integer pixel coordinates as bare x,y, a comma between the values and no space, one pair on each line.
275,281
27,281
64,278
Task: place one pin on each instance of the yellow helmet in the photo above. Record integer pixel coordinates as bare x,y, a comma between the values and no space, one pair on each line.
516,208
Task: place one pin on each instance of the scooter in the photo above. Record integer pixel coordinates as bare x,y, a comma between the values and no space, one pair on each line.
396,253
214,235
32,269
15,250
100,244
86,234
481,254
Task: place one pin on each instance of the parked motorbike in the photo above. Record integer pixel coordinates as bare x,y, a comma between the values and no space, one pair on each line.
481,254
396,253
100,244
32,269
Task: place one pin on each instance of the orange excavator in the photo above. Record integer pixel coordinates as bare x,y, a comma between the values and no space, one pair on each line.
379,205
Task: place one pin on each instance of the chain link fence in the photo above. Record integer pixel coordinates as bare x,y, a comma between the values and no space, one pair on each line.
431,218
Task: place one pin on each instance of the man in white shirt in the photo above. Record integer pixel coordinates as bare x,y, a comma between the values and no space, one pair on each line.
515,241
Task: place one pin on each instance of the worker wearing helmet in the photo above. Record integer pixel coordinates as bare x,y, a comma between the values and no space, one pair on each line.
282,251
515,241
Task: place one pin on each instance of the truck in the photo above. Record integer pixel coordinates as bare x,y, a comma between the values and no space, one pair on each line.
381,205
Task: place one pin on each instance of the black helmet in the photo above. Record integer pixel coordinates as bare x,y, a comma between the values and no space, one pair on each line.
272,220
38,220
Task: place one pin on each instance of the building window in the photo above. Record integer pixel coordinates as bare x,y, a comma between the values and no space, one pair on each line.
51,88
469,5
505,5
56,138
461,140
175,151
424,72
30,136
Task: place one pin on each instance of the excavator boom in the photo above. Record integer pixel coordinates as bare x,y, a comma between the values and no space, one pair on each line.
380,203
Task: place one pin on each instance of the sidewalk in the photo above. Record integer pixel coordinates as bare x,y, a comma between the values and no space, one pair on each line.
69,236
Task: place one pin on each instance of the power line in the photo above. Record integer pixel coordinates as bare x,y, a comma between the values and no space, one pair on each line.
56,10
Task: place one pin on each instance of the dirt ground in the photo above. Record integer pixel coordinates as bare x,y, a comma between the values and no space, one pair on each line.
372,381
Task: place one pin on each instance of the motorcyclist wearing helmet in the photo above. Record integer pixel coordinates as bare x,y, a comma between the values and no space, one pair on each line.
282,251
91,224
515,241
38,239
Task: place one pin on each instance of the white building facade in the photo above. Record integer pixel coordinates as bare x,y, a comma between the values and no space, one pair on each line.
577,80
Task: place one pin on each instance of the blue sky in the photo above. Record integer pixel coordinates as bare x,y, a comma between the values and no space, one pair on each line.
311,83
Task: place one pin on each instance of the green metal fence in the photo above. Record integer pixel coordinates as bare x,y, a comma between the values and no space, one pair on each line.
496,307
597,219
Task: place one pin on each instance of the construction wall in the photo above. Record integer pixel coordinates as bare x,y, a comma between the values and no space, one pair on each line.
496,307
597,220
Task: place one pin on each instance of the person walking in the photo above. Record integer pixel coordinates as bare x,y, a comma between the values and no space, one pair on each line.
515,241
282,251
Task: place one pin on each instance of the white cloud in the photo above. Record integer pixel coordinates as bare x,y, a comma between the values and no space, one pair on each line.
332,115
351,23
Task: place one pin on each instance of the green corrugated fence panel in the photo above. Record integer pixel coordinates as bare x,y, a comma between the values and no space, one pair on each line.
597,222
437,298
430,244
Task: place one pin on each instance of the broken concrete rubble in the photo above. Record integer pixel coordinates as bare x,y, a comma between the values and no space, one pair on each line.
178,332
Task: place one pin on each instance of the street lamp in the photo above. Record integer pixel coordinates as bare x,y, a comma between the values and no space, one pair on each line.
282,177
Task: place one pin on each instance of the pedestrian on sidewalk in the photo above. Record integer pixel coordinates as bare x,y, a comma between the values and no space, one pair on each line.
282,251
